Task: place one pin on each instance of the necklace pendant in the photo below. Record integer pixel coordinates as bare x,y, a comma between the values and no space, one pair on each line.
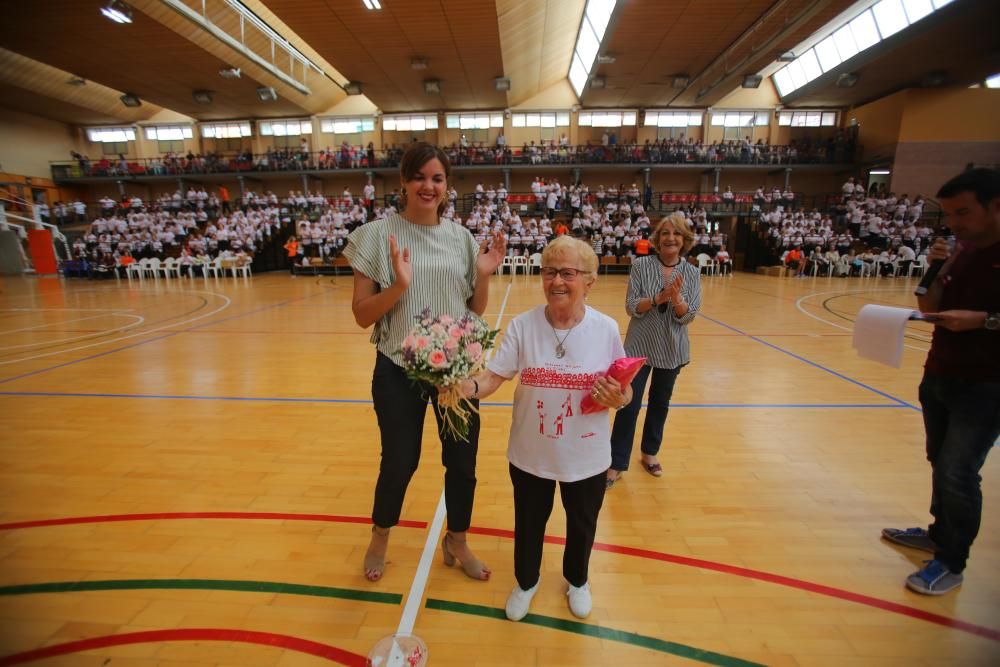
560,351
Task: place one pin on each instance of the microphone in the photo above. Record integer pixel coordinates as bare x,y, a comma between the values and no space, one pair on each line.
929,276
931,273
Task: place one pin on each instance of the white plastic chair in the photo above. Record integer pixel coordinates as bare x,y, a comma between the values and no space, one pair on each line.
706,262
169,266
214,267
508,261
135,268
829,269
152,267
519,261
919,264
535,262
244,270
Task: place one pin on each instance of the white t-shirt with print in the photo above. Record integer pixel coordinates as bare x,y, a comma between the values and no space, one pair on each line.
549,436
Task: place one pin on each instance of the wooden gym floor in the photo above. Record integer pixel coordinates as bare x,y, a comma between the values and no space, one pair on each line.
186,472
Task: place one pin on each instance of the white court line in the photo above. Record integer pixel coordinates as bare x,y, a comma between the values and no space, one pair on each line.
52,324
798,304
138,321
140,333
416,594
60,310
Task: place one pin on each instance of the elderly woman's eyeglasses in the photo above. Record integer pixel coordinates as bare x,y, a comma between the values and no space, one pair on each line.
568,275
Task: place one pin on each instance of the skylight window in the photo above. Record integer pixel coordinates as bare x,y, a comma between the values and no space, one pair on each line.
875,23
593,25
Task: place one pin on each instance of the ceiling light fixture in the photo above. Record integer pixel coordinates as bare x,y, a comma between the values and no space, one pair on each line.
267,94
598,82
501,83
681,81
606,60
202,96
418,63
432,86
372,4
847,80
752,81
130,100
76,81
230,72
352,87
117,11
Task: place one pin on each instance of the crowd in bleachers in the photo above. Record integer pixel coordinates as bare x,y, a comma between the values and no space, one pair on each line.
866,233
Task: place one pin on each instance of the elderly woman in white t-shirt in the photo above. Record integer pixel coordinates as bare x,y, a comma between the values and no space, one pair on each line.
561,351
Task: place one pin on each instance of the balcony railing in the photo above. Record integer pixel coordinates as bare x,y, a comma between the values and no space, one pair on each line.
361,159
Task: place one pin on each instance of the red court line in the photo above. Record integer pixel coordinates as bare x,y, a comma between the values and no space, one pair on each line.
67,521
331,653
840,594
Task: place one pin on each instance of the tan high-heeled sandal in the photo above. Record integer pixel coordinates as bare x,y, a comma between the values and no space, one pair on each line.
375,562
473,567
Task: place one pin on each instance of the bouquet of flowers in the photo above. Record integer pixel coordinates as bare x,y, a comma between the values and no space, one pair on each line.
443,351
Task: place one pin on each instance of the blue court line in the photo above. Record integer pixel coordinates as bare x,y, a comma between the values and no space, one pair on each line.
152,340
900,401
367,401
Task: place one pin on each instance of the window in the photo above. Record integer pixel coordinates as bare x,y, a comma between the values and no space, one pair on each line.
607,118
865,30
233,130
170,146
890,17
410,122
810,118
593,25
656,118
741,119
169,132
107,135
473,121
284,128
540,119
346,125
114,147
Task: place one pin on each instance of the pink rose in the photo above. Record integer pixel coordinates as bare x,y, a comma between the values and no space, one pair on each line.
437,359
437,330
408,343
447,319
474,350
456,332
421,342
450,346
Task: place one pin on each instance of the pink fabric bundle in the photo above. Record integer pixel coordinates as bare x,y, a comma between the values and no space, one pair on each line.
624,370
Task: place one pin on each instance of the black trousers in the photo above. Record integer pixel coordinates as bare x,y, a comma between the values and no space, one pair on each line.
400,405
533,498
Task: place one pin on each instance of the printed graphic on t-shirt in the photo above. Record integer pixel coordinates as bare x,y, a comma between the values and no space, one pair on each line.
554,379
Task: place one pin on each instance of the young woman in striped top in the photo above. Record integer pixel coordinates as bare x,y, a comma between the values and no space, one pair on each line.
402,265
664,295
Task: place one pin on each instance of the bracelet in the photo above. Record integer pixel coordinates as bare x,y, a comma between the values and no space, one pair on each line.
475,393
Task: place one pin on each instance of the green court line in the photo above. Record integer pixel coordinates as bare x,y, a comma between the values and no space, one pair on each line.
202,584
652,643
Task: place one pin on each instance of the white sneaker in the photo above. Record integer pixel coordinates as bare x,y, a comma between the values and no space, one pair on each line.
519,601
580,602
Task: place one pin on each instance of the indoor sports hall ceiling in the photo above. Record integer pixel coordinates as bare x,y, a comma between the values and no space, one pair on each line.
681,53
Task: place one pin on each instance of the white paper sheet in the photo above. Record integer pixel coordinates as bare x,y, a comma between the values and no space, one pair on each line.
878,333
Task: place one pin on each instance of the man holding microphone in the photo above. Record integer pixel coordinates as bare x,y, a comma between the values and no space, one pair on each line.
960,390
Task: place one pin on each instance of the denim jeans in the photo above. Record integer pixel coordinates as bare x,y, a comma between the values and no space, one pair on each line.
962,421
623,431
400,405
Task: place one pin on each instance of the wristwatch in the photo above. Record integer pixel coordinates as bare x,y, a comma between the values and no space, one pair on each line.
992,321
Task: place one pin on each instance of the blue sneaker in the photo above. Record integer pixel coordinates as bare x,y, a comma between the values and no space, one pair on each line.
934,579
915,538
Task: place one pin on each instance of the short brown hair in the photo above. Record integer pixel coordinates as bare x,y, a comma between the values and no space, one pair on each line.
680,223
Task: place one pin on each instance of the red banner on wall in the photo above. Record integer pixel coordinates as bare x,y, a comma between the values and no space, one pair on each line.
43,255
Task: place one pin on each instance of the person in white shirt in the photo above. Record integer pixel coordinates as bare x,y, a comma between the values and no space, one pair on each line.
561,351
